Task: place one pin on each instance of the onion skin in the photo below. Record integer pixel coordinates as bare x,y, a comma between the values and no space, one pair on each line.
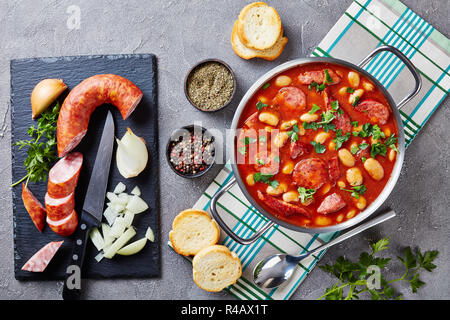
44,93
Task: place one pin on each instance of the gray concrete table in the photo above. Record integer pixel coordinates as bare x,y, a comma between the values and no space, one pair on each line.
181,33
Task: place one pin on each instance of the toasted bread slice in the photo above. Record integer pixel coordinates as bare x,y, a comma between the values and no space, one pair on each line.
193,230
215,268
259,26
247,53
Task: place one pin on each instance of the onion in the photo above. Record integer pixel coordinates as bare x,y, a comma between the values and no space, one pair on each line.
96,238
136,191
136,205
119,243
44,93
131,155
119,188
133,247
150,235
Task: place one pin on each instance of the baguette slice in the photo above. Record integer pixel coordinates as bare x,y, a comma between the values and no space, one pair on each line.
247,53
259,26
215,268
193,230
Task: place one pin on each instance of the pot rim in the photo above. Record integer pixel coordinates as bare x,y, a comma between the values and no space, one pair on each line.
392,179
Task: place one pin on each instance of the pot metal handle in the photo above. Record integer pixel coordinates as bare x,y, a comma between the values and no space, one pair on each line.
406,61
222,224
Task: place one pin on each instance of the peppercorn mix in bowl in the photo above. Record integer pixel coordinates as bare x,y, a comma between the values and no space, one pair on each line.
190,151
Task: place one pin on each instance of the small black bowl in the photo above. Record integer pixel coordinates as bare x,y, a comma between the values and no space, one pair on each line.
195,67
178,136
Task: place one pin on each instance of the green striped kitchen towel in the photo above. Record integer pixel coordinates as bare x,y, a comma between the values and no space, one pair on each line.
365,25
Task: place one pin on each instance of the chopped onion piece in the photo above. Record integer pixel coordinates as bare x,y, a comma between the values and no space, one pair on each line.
128,218
111,197
99,256
110,214
96,238
119,188
136,205
118,227
136,191
118,207
119,243
150,235
123,198
107,238
133,247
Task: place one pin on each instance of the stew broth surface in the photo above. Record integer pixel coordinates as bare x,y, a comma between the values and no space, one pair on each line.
269,178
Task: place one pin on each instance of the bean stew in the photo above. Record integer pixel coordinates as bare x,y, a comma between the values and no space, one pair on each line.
316,144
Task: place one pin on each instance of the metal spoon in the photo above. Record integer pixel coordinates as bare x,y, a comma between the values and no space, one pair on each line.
276,269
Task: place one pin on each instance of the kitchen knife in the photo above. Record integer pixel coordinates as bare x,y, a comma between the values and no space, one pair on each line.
92,210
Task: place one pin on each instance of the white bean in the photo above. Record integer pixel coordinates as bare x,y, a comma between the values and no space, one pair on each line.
346,157
306,117
353,79
269,118
291,196
354,176
282,81
321,137
374,168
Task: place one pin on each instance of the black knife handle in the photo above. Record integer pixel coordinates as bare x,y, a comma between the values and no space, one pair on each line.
72,289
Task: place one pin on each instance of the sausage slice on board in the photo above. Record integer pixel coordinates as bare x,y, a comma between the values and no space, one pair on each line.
66,226
59,208
79,104
63,176
39,261
34,208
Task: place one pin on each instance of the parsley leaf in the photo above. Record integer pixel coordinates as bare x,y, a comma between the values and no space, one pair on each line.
311,125
328,79
355,278
261,177
318,148
260,105
248,140
340,139
356,101
377,133
305,194
274,184
356,191
350,90
293,133
40,155
266,85
378,148
319,87
314,108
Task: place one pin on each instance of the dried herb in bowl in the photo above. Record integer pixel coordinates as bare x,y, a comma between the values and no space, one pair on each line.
210,85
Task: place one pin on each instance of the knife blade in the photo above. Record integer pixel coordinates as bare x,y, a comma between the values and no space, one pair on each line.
92,210
95,195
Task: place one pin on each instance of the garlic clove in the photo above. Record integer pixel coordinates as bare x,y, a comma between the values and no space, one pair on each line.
44,93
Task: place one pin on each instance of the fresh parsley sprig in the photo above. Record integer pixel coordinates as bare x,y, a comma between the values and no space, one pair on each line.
354,277
40,154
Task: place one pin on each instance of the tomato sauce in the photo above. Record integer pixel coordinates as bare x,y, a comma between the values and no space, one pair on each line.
265,164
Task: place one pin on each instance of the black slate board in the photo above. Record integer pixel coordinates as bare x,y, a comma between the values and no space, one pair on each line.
140,69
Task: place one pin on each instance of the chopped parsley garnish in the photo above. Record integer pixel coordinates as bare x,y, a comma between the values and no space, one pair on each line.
261,177
260,105
354,123
277,159
311,125
356,191
366,131
266,85
260,162
319,148
262,139
391,141
378,148
363,159
248,140
327,117
305,194
314,108
350,90
340,139
293,133
242,150
377,133
328,78
319,87
356,101
362,146
328,126
274,184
